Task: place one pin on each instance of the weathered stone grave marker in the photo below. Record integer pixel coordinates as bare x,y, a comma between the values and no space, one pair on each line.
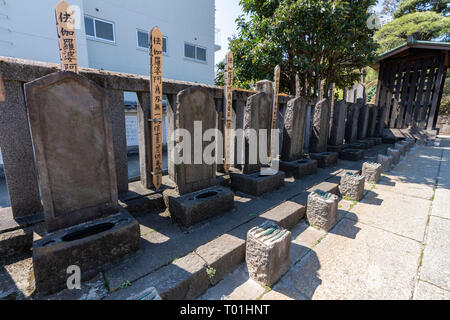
292,161
196,197
385,161
322,209
351,126
257,134
337,134
72,137
363,121
319,137
352,186
267,255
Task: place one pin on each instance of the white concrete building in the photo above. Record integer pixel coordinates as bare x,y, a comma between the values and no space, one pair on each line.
113,35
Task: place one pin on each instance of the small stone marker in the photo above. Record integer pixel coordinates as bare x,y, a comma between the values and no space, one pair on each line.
322,209
385,161
338,126
65,23
268,252
228,110
372,172
401,148
352,186
395,154
320,128
155,49
407,145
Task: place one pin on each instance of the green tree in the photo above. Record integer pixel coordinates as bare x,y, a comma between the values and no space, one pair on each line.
390,6
321,39
423,19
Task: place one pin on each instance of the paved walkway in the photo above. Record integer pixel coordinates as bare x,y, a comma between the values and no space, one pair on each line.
394,244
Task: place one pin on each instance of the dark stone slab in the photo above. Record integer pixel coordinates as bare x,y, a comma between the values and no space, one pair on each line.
92,246
294,129
141,206
363,121
351,126
381,116
308,127
16,242
376,140
389,140
74,148
351,154
373,118
299,169
325,159
359,145
195,207
193,104
337,133
255,184
257,116
320,128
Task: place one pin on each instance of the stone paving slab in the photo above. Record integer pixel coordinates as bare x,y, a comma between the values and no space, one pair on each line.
426,291
356,261
394,212
436,262
304,238
441,203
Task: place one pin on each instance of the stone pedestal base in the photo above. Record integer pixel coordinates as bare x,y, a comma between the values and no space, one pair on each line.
321,210
372,172
255,184
299,169
325,159
351,154
401,148
268,253
195,207
377,140
369,142
338,148
385,161
92,246
352,186
395,154
359,145
389,140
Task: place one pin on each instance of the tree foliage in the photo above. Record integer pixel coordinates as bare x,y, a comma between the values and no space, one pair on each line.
411,6
390,6
322,39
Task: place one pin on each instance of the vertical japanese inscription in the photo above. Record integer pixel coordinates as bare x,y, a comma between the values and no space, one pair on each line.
228,109
156,44
276,91
65,23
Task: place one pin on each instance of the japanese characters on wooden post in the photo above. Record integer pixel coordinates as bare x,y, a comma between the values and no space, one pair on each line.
155,43
276,91
228,108
65,23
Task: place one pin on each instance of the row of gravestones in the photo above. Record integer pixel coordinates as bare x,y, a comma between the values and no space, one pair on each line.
268,245
73,144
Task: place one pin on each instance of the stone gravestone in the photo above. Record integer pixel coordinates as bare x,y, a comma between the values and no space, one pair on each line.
363,121
257,135
351,126
196,197
373,117
308,126
337,134
292,161
72,137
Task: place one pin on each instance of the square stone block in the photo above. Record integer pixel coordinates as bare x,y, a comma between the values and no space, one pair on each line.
407,145
325,159
321,210
401,148
395,154
338,148
352,186
268,253
351,154
195,207
92,246
385,161
300,168
372,171
256,184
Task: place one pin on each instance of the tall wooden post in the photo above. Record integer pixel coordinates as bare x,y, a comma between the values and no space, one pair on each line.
297,86
65,23
228,109
276,92
156,109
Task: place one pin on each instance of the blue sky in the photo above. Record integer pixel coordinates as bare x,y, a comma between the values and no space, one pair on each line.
226,13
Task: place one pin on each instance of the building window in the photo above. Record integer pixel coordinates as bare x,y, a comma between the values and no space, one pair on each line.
194,52
142,41
99,29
